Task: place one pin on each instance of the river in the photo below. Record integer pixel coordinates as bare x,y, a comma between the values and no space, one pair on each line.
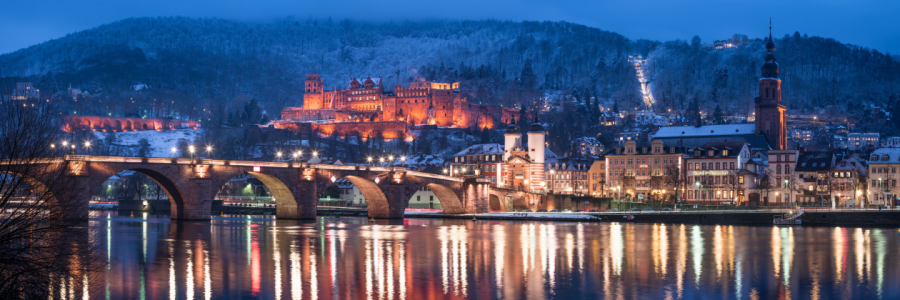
352,258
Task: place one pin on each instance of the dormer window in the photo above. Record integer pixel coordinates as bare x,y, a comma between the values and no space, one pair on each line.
709,153
874,157
724,152
885,158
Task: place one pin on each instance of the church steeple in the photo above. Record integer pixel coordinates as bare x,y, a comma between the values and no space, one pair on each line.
770,68
770,113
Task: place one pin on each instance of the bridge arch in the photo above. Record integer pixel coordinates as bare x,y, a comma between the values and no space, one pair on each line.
129,125
106,124
95,124
175,194
495,204
118,125
448,198
51,190
376,201
284,198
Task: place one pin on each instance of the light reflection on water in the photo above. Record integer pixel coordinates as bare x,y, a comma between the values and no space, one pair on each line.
351,258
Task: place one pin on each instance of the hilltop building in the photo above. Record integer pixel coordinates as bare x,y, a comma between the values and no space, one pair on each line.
367,107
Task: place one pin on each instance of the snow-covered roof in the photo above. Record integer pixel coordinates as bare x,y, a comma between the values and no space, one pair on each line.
707,130
481,149
893,156
343,183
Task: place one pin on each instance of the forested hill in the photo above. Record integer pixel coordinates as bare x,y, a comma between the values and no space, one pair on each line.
216,65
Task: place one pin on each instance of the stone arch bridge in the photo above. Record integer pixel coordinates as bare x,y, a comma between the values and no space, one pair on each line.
191,184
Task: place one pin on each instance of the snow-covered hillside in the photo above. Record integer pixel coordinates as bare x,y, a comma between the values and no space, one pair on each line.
161,142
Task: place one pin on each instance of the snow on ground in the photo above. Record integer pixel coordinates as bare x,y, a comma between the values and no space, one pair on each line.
160,141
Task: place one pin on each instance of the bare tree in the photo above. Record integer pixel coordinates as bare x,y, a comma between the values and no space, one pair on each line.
676,180
765,184
735,185
41,239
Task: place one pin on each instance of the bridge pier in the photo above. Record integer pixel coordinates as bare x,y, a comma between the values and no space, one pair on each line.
200,193
305,200
394,206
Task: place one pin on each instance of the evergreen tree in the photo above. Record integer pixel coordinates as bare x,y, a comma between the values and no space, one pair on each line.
527,77
718,117
485,136
144,148
894,106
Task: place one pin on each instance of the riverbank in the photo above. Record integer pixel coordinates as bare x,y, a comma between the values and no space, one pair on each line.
823,217
737,217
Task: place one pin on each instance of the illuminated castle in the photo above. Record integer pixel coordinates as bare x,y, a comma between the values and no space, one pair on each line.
422,103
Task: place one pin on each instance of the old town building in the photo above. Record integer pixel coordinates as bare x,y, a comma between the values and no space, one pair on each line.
638,172
597,186
813,172
481,159
586,146
849,181
780,176
712,172
568,176
883,176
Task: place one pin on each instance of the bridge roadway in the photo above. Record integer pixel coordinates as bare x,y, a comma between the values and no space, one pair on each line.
191,184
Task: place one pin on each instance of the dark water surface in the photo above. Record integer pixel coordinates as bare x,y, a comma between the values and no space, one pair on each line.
350,258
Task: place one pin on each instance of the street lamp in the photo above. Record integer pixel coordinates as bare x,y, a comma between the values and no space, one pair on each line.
315,153
209,151
369,159
173,151
278,155
191,149
87,146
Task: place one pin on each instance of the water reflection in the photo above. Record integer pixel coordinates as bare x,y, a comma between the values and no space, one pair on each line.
346,258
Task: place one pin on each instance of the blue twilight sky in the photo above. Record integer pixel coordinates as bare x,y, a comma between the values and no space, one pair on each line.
868,23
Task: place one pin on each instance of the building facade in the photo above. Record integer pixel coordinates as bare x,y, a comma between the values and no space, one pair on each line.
480,159
586,146
882,177
639,172
858,141
712,173
568,176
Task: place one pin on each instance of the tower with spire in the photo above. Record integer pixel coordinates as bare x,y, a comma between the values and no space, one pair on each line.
770,113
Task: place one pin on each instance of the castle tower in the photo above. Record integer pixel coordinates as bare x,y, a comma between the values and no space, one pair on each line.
513,140
312,96
770,118
536,137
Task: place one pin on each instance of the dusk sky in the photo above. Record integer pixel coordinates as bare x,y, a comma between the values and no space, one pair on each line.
867,23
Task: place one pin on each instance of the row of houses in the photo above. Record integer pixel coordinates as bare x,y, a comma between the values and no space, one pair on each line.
714,164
